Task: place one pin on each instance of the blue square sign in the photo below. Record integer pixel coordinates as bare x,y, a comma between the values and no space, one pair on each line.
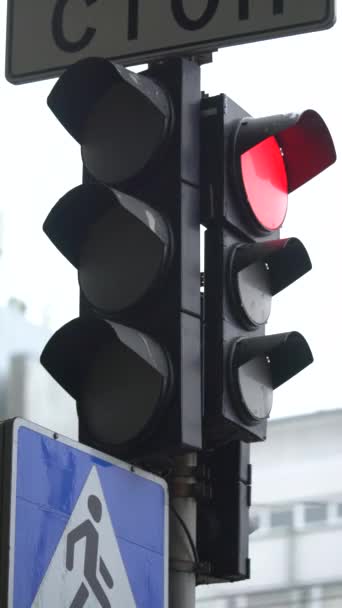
85,529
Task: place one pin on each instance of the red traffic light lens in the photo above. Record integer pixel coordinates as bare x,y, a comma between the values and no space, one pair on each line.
265,181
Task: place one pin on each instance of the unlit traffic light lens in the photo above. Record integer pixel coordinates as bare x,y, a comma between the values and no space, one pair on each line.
123,255
117,145
255,384
124,388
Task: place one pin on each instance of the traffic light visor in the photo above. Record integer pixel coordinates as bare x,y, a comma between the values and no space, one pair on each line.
120,245
120,377
258,271
257,366
120,118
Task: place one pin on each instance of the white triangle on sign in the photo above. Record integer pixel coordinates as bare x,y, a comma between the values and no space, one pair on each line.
95,576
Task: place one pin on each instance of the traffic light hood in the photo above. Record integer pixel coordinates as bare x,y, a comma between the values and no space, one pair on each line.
304,139
258,271
94,226
288,354
120,118
95,361
257,366
83,84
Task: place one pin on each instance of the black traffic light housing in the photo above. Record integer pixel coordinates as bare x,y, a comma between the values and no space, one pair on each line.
132,230
136,358
223,520
245,261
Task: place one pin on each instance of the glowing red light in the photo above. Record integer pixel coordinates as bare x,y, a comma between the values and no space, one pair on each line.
265,182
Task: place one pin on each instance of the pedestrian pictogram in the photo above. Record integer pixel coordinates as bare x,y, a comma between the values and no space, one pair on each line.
88,558
88,531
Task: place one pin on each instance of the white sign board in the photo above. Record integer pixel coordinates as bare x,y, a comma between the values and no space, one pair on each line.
46,36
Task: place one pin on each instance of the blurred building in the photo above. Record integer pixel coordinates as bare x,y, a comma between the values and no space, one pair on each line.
296,554
26,389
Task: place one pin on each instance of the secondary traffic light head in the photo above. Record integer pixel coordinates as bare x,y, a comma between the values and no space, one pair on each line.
249,167
132,360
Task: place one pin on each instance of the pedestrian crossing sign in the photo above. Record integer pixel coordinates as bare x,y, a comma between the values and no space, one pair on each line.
79,528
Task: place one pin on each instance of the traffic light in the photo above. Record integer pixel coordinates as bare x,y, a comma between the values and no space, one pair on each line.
132,359
223,520
249,166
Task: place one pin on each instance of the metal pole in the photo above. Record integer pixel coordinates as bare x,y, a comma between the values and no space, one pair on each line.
182,584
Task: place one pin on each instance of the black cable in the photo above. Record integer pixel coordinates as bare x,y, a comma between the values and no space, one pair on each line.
188,535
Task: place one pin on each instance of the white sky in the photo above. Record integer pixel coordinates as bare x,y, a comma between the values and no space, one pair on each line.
40,162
